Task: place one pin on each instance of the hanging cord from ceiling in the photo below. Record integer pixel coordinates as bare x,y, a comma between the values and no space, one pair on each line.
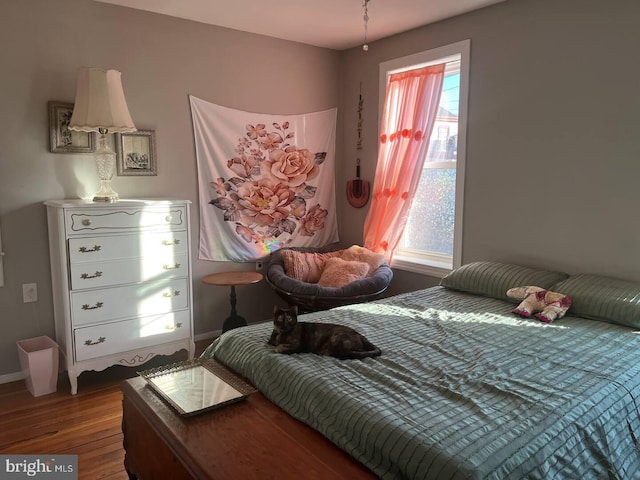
365,4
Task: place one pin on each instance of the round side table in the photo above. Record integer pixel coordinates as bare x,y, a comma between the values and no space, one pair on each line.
232,279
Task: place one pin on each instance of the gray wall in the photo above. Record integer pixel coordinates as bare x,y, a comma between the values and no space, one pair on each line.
553,150
553,153
162,61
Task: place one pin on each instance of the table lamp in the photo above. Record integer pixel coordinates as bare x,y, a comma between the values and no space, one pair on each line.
100,106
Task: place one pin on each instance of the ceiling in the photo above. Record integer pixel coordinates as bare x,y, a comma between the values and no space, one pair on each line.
335,24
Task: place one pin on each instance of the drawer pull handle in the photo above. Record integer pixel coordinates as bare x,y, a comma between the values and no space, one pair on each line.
172,327
171,242
175,293
96,248
86,276
97,305
167,267
86,222
168,218
91,342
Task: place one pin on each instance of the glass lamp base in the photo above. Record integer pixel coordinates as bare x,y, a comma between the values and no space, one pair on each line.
108,199
105,167
106,193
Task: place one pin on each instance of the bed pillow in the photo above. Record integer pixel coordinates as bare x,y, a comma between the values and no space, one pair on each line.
305,266
493,279
603,298
338,272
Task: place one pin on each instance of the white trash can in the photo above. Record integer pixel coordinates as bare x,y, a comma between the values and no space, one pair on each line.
39,362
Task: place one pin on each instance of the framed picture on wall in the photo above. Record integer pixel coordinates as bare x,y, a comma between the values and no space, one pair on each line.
136,153
61,139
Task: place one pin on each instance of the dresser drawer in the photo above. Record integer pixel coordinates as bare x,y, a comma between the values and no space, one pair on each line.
163,245
93,306
101,340
131,270
109,220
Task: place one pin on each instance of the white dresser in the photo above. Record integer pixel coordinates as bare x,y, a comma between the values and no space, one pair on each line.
121,275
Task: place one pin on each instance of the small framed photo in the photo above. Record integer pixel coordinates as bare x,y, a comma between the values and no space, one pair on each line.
61,139
136,153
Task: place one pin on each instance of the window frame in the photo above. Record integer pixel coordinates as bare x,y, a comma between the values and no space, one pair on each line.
433,264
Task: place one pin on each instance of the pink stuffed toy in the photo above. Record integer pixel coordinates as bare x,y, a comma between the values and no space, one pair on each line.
549,305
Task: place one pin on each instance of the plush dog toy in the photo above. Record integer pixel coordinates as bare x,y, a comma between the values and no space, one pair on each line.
549,305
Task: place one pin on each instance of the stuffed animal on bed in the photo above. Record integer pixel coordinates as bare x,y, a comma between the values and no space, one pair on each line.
548,305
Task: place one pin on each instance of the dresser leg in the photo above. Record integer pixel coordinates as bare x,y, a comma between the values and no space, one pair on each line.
73,380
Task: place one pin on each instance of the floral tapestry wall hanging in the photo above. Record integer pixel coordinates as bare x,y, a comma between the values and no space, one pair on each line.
265,181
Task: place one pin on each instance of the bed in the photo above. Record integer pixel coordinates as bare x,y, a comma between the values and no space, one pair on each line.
464,388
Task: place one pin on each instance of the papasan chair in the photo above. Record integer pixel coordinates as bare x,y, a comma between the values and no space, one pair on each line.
301,276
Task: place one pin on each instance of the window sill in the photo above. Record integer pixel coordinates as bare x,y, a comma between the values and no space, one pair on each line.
416,265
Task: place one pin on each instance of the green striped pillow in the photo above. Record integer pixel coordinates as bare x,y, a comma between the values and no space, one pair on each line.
492,279
603,298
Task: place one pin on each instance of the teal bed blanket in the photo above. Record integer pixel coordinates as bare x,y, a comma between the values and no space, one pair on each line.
464,389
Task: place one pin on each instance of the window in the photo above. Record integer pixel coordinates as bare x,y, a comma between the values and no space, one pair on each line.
432,240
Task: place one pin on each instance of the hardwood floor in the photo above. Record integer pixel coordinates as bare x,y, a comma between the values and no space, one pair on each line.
87,424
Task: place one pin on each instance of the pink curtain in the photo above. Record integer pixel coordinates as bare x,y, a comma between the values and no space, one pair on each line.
410,109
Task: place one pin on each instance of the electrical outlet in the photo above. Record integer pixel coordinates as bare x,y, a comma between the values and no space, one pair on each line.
29,292
259,266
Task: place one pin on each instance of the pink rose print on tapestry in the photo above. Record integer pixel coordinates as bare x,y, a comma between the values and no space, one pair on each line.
269,186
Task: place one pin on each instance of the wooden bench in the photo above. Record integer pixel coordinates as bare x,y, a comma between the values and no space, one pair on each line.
251,439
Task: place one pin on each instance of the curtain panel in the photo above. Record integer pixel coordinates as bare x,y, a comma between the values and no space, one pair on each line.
410,109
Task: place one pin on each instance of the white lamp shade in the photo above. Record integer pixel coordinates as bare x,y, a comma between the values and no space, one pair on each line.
100,103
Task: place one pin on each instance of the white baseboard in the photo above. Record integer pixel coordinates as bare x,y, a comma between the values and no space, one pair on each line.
11,377
216,333
207,335
17,376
